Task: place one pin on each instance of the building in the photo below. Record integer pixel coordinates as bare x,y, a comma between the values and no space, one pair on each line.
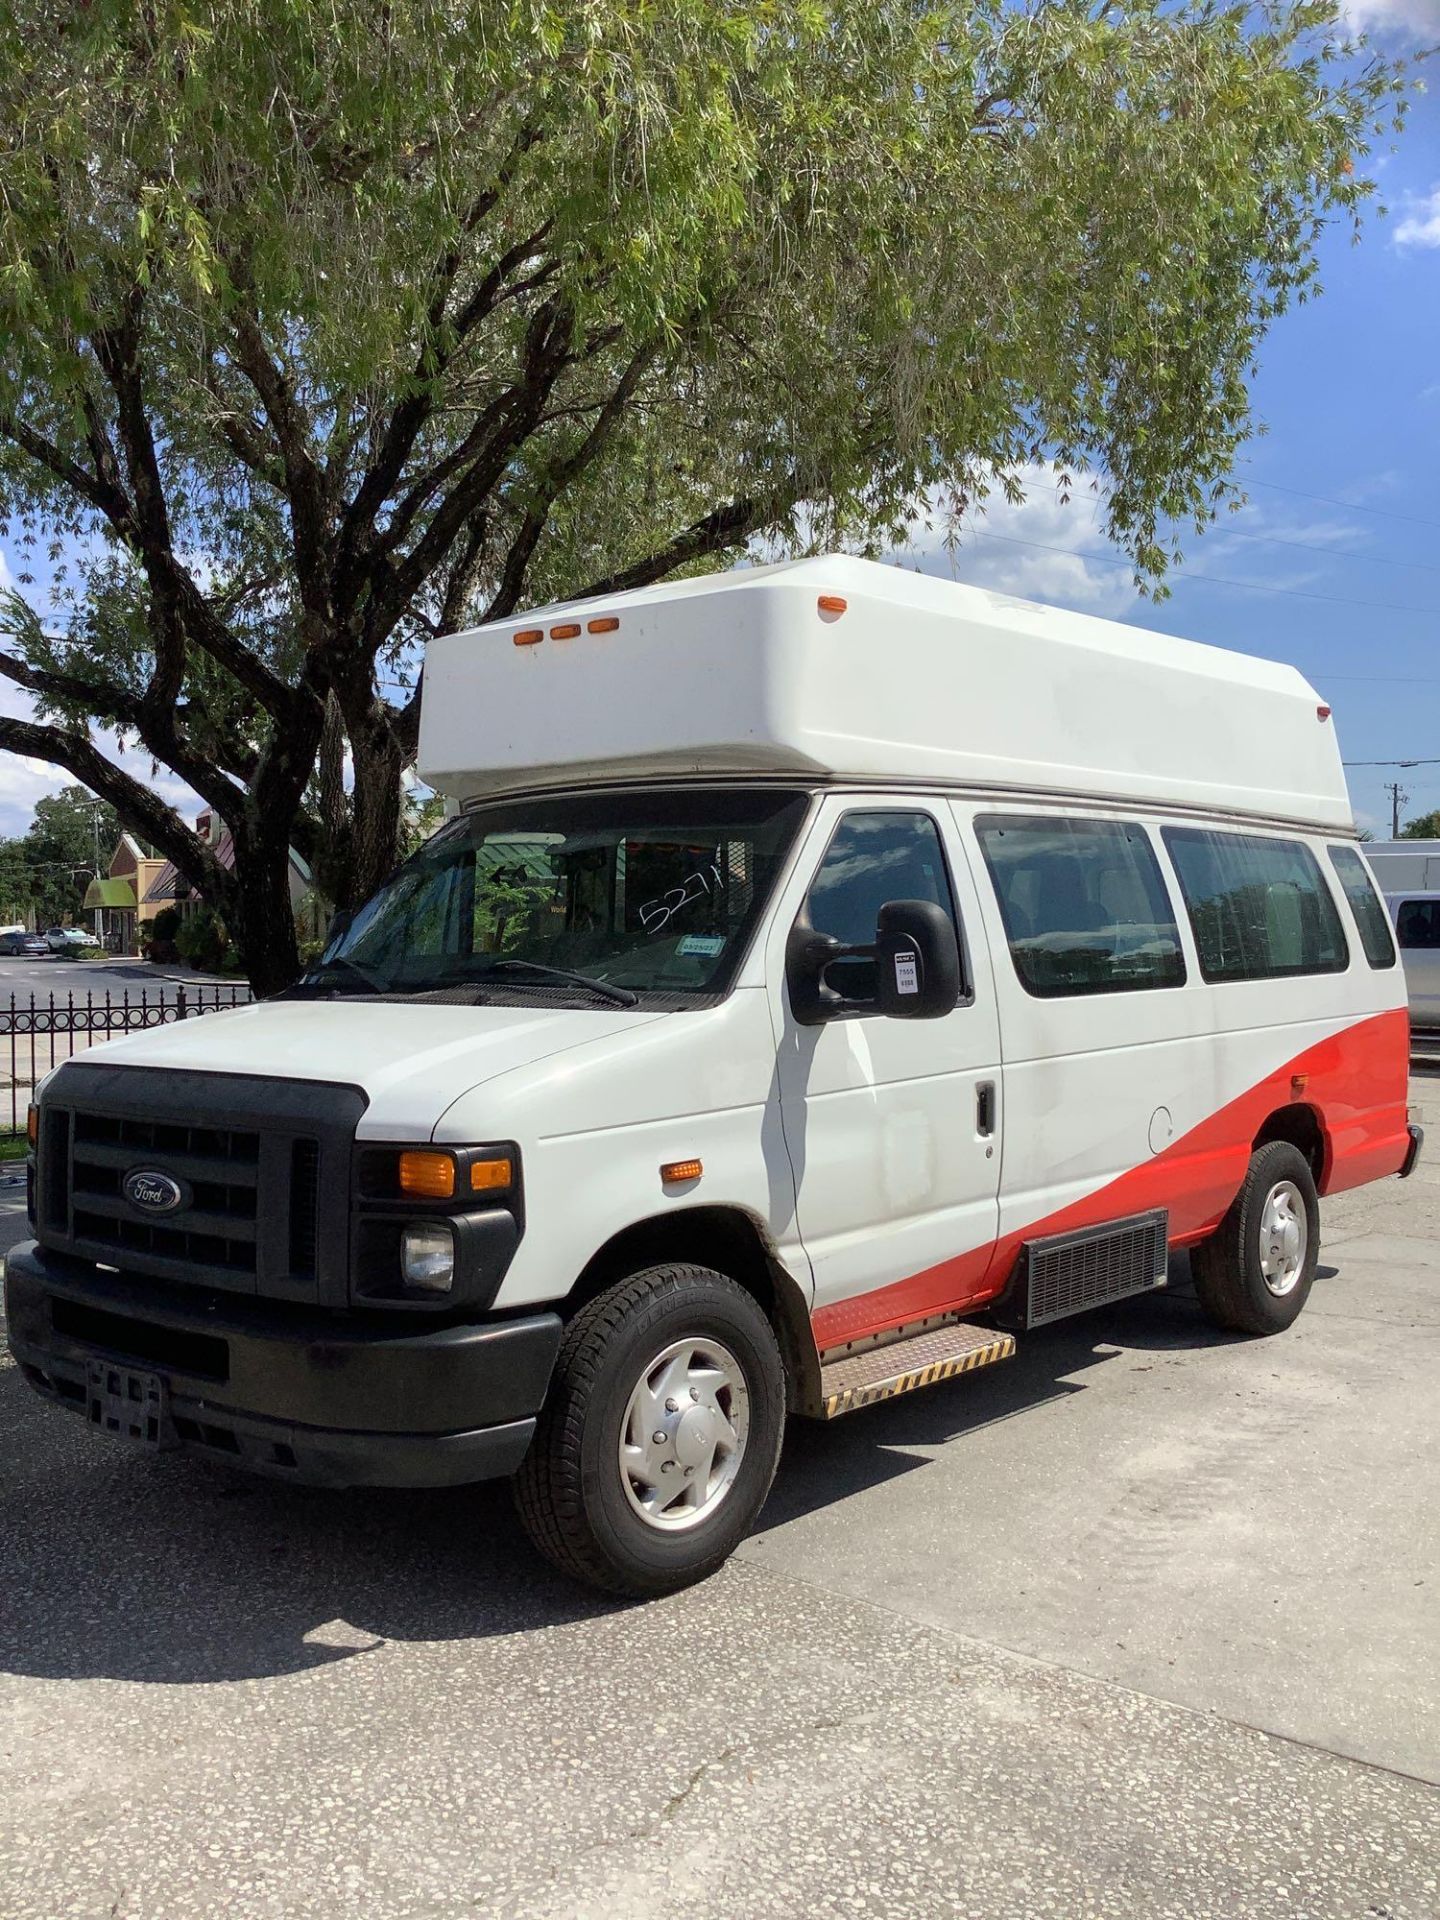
120,898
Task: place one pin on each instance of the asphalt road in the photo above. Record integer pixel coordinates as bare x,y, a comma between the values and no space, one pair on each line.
1143,1623
83,978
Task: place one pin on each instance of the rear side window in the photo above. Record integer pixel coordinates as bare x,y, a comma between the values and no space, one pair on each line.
1354,877
1418,924
1084,904
1260,908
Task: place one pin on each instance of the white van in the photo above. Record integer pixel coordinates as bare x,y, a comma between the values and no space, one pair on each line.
827,974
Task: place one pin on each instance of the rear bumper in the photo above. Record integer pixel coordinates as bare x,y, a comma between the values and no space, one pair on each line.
302,1396
1413,1151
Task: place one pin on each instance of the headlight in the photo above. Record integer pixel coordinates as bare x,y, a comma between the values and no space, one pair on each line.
427,1257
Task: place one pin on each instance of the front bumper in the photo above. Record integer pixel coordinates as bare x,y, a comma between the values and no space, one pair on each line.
285,1391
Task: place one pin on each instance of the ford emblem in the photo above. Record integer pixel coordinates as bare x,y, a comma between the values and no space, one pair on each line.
150,1191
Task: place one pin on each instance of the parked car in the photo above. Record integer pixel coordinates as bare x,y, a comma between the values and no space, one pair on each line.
1416,919
70,939
20,945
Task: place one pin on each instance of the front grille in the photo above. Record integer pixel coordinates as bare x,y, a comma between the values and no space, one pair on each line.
304,1206
264,1169
1068,1272
220,1167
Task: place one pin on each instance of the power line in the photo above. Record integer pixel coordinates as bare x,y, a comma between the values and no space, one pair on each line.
1330,553
1345,506
1214,579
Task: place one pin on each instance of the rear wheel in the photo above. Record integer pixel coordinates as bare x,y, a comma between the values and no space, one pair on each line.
1254,1273
660,1435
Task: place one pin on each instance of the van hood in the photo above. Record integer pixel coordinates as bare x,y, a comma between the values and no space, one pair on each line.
411,1062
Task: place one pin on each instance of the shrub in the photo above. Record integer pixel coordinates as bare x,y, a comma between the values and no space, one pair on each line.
202,940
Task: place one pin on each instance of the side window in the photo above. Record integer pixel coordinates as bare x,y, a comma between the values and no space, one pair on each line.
1354,877
1418,924
1259,907
873,858
1084,904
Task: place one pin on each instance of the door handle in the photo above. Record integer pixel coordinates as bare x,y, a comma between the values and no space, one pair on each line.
985,1107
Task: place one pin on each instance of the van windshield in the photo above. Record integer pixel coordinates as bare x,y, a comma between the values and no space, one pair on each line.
626,897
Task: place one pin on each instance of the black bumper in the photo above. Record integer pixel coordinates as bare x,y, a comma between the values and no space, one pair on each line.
302,1396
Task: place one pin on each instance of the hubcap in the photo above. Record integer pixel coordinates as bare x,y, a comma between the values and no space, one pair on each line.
684,1433
1284,1231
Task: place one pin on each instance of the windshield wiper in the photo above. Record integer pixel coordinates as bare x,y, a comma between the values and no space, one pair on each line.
371,982
621,996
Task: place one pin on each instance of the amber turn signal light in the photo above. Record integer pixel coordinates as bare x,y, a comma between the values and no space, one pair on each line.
488,1176
429,1176
32,1125
674,1170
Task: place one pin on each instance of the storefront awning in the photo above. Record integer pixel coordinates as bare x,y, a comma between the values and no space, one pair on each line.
111,893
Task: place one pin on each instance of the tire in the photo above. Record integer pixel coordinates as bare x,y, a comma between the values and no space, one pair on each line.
609,1519
1230,1268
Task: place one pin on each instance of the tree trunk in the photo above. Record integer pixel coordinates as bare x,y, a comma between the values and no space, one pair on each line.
378,763
263,921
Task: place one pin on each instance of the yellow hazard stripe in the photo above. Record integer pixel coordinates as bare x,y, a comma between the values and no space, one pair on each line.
850,1398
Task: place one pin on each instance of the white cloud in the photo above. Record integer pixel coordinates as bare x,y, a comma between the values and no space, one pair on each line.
1417,18
1420,226
1045,548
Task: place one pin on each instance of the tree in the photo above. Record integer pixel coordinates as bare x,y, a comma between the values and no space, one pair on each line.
60,850
1425,827
327,329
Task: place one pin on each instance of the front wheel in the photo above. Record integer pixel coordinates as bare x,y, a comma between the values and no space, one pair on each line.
1254,1273
660,1435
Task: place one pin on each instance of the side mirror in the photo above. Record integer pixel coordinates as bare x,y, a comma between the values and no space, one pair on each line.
917,961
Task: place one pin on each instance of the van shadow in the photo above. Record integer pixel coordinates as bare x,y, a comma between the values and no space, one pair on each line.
166,1570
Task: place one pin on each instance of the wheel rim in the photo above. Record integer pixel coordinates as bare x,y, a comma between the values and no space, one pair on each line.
684,1433
1284,1235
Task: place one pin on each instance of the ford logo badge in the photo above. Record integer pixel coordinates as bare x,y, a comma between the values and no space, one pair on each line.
150,1191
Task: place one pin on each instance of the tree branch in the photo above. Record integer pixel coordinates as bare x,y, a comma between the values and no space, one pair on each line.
138,804
726,527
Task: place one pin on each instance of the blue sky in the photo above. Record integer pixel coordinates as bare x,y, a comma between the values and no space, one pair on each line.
1339,549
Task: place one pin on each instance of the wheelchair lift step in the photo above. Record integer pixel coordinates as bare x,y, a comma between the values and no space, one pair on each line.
855,1379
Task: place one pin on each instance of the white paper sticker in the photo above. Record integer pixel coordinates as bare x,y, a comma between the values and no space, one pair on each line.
907,976
701,946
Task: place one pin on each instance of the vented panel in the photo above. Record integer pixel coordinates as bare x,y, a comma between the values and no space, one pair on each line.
1068,1272
304,1207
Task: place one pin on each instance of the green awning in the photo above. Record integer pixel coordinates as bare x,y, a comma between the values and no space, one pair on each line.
110,893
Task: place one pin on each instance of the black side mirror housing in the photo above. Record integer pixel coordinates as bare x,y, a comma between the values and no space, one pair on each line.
917,961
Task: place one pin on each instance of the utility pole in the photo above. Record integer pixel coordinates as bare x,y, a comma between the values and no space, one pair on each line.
1398,798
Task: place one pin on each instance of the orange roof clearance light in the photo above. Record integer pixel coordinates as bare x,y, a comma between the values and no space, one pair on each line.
832,603
488,1176
607,623
674,1171
570,631
429,1176
529,636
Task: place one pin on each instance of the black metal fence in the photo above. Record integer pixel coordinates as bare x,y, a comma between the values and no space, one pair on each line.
37,1033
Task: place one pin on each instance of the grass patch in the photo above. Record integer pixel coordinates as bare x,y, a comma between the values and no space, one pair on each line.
12,1146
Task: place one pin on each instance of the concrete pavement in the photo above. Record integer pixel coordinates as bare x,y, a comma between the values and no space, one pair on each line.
1143,1623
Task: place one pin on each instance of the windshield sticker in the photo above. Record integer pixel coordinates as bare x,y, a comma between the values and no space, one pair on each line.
701,946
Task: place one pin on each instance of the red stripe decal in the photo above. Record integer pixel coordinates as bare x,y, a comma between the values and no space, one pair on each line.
1357,1084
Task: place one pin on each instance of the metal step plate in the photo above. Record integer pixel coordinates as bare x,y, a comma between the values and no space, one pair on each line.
856,1379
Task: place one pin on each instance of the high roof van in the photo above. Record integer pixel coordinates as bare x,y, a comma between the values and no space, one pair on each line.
827,976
